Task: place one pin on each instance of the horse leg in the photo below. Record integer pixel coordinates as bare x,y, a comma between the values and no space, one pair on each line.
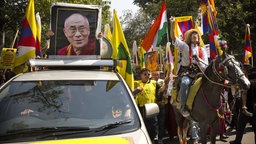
179,132
203,132
214,130
185,131
184,139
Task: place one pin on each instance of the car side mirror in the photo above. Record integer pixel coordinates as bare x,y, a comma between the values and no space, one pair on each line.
151,110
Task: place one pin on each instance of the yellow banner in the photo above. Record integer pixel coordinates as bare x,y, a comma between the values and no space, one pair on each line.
8,58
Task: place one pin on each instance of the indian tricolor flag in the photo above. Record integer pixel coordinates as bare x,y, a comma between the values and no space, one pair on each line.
247,47
157,30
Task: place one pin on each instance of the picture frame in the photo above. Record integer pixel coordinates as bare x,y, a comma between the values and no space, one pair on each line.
151,61
60,11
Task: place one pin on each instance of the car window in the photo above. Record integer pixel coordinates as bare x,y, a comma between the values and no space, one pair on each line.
92,104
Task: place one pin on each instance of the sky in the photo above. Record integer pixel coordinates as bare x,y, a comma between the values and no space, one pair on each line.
121,5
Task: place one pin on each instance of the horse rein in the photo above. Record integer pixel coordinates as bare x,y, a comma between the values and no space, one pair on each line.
222,63
221,84
205,99
215,72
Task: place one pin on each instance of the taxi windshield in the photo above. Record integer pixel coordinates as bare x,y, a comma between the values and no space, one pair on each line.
89,104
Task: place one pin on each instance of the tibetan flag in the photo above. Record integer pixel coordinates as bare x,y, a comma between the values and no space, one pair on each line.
210,4
203,20
184,26
157,30
123,55
181,25
248,46
169,55
28,38
215,49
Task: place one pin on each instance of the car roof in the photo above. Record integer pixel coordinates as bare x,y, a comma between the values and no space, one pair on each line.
68,75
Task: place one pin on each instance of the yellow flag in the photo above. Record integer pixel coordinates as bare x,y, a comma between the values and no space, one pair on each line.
121,52
141,53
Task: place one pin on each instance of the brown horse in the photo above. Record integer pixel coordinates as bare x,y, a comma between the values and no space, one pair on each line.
206,105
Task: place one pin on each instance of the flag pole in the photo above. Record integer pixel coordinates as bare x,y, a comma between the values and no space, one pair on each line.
249,32
16,35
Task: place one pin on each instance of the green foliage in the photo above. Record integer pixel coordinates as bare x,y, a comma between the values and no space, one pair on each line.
232,19
10,18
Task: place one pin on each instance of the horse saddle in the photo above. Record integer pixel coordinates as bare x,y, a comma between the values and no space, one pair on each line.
191,94
193,91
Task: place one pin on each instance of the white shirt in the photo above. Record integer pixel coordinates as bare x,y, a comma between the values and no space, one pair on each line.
184,49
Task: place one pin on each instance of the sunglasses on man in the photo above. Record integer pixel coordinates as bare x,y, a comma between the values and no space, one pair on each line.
146,74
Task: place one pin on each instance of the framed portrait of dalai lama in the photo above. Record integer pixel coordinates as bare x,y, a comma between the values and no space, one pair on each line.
75,28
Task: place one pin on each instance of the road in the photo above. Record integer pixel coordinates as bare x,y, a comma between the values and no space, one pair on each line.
248,137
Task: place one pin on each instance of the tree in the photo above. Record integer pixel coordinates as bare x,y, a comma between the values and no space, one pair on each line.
135,26
10,19
232,19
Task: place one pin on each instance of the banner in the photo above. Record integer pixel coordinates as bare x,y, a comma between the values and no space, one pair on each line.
8,58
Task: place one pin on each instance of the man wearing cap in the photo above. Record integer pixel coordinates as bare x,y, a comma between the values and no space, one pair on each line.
188,48
145,93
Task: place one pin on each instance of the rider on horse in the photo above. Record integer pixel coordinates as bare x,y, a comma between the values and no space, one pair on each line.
189,48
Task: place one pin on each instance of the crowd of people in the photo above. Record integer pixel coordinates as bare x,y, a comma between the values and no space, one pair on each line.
154,86
239,106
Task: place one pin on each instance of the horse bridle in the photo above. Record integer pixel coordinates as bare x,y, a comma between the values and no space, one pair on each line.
221,78
225,76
